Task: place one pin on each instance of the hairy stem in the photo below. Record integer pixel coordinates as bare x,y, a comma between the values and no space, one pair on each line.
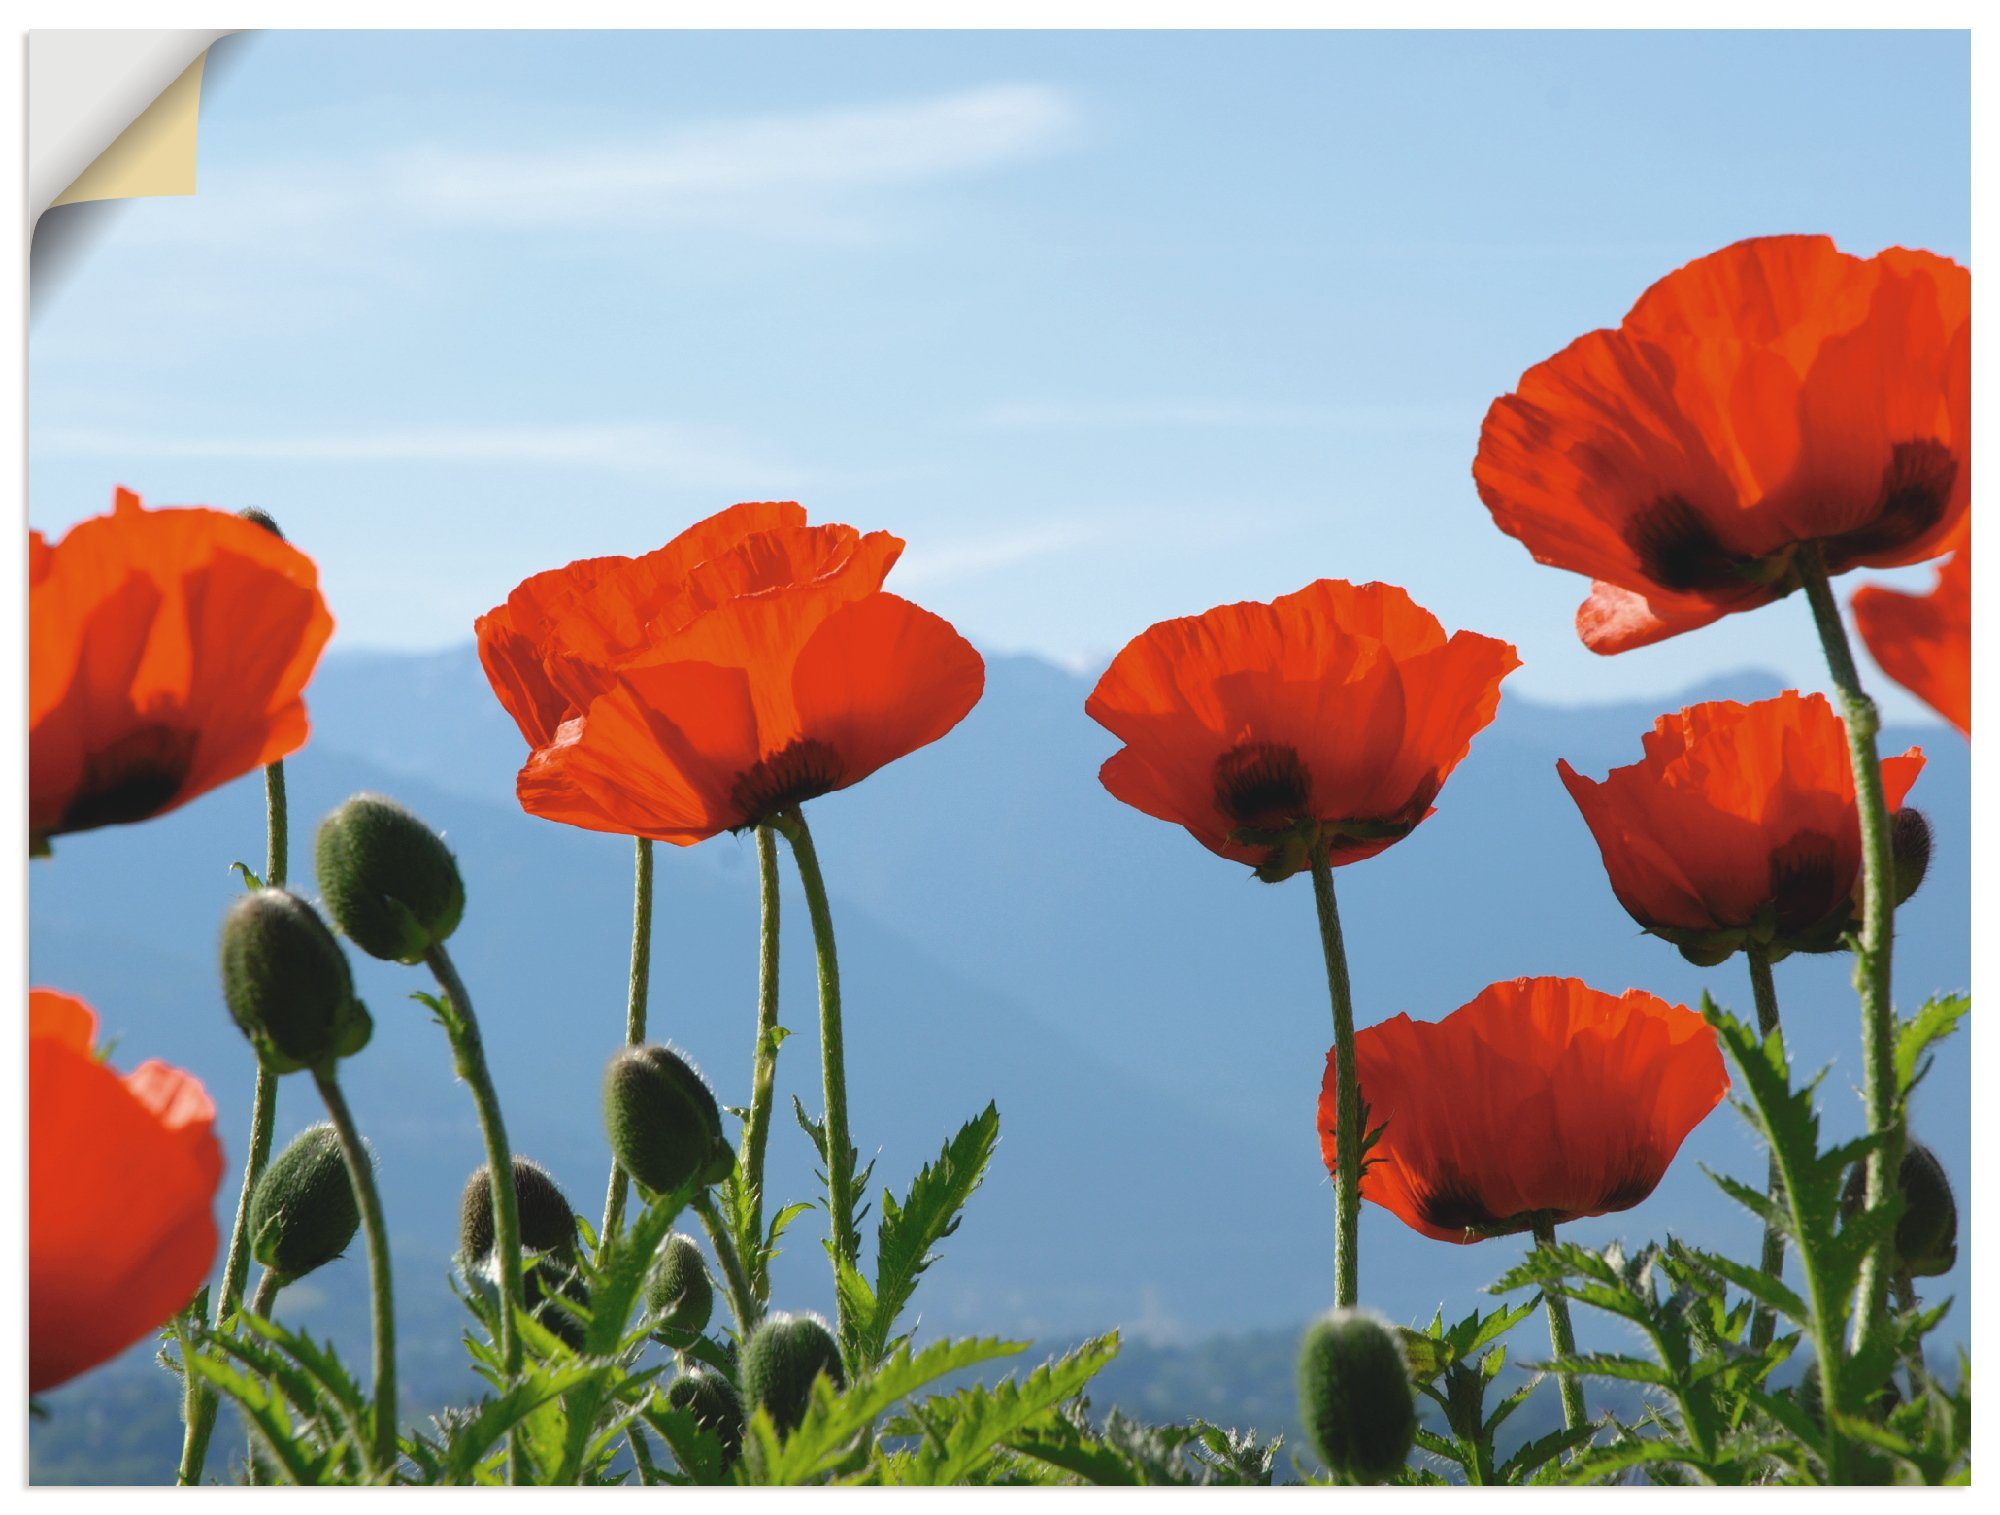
742,1298
381,1451
635,1007
1765,1323
469,1056
199,1402
1872,952
1347,1133
832,1052
764,1058
1562,1338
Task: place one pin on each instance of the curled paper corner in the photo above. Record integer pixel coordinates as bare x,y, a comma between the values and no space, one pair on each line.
155,155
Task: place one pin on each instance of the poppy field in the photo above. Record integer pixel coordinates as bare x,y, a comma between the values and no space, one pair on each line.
1762,421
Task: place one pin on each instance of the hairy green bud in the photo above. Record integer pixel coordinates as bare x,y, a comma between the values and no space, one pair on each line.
1355,1397
1927,1230
287,983
783,1357
545,1279
547,1222
261,518
712,1400
303,1212
665,1126
679,1292
390,883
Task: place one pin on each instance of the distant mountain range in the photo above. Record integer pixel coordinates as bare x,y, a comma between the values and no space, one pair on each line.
1150,1020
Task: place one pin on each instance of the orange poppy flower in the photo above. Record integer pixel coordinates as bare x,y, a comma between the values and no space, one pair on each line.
122,1174
1739,824
1924,642
1541,1100
1775,395
741,685
1330,717
167,650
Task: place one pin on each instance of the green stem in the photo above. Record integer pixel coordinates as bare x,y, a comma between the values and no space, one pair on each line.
199,1402
469,1055
266,1293
1562,1337
1347,1133
1872,952
1764,1325
742,1298
635,1007
833,1064
764,1058
361,1173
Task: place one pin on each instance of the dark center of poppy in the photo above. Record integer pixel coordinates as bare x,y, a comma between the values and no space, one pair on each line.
1916,486
1806,885
131,779
1678,550
797,772
1453,1203
1262,786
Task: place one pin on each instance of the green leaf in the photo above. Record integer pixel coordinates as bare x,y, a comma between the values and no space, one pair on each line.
1936,1020
1758,1284
912,1227
251,882
983,1420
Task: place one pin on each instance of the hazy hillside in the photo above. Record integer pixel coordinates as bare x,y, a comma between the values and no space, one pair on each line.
1151,1022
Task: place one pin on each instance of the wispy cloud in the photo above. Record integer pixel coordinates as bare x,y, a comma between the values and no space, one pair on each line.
1104,415
969,557
776,172
687,455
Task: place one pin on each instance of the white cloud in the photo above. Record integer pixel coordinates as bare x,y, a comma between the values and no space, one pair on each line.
793,172
1104,415
969,557
693,456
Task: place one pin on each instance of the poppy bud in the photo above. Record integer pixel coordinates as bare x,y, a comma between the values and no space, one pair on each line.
547,1222
665,1126
303,1212
679,1293
287,983
1355,1396
389,881
1927,1231
1910,850
712,1400
543,1280
783,1357
261,518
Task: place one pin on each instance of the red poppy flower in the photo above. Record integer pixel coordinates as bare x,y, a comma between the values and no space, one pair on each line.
698,694
1542,1099
1334,713
1739,824
1775,395
122,1174
1924,642
167,653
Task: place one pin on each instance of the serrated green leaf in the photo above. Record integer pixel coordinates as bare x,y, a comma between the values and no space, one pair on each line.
985,1419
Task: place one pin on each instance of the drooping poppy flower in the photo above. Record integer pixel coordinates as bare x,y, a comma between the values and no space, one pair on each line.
1328,718
167,650
122,1174
1772,397
1924,642
741,685
1739,825
1542,1100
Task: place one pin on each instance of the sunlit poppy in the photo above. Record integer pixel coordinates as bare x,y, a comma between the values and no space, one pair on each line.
774,673
1774,396
1924,641
1541,1101
122,1174
167,651
1328,718
1738,825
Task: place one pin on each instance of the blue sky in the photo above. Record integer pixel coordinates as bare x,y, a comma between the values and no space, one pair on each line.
1111,327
